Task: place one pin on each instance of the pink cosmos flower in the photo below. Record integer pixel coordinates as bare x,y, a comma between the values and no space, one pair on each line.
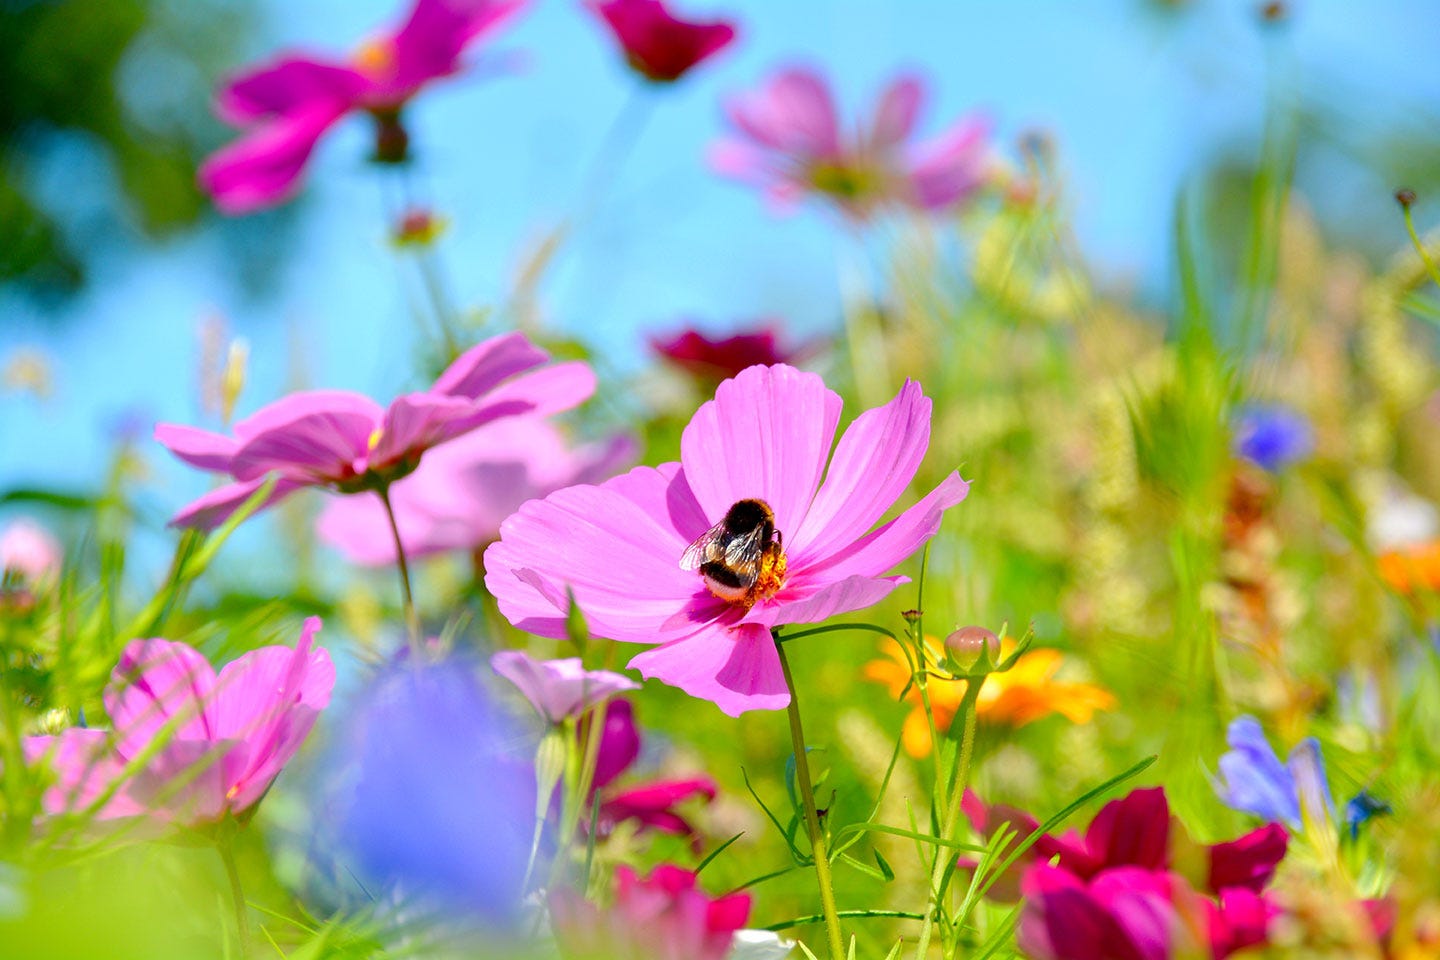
790,142
662,917
558,689
225,737
652,805
766,436
349,443
711,361
656,44
1131,913
29,552
286,106
460,493
1134,831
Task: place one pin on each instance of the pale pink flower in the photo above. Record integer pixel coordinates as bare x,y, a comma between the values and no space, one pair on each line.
558,689
285,106
767,435
659,46
462,491
224,738
789,140
29,552
348,443
665,916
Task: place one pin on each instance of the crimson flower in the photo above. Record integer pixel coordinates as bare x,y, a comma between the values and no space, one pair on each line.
651,805
766,436
349,443
657,45
222,739
663,916
711,361
790,141
285,106
460,493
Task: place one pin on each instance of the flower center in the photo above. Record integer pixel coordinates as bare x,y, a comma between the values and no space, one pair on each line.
772,574
375,58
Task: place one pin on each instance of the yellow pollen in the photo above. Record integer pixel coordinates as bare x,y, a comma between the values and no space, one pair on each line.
375,56
374,440
772,575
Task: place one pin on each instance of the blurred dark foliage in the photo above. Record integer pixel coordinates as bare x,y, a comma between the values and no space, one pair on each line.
103,117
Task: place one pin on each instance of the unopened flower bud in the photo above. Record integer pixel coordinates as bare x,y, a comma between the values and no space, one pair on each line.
1405,197
971,646
911,617
232,378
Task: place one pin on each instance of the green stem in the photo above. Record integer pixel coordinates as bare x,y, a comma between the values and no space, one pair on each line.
959,777
1420,247
435,290
412,619
237,895
812,818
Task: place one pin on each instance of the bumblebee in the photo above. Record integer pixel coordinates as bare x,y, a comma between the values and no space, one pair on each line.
741,558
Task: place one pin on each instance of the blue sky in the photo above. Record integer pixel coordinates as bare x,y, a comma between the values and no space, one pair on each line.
1136,100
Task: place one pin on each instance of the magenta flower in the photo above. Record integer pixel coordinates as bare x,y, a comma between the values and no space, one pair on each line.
558,689
652,805
662,917
790,142
462,491
1135,831
225,737
711,361
657,45
348,443
765,437
287,105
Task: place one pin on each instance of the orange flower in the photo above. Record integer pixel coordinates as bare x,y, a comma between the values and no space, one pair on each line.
1025,692
1413,568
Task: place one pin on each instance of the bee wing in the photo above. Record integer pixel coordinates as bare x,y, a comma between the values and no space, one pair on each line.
742,554
704,548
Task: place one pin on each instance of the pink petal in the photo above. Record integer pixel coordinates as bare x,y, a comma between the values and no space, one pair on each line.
845,596
199,448
619,742
558,689
793,113
295,406
951,166
416,422
286,85
154,681
184,782
84,766
322,446
429,44
766,434
549,390
1133,831
741,161
215,507
617,545
484,366
897,540
263,167
873,465
896,112
736,668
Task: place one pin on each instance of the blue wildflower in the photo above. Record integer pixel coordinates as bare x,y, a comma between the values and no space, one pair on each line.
1272,437
1253,779
1362,807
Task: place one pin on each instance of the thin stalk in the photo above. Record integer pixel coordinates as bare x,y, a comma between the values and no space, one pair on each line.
959,776
237,895
812,817
426,261
1419,246
412,619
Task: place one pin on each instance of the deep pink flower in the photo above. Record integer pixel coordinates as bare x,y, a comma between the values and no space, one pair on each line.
652,805
558,689
767,435
1134,831
711,361
349,443
225,737
662,917
656,44
286,105
28,552
460,493
790,142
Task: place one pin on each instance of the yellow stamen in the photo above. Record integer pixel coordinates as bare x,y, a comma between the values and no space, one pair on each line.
374,440
375,56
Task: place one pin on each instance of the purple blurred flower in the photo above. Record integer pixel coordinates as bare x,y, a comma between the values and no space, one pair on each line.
790,141
438,810
463,490
657,45
767,435
1253,780
1273,437
287,105
558,689
349,443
